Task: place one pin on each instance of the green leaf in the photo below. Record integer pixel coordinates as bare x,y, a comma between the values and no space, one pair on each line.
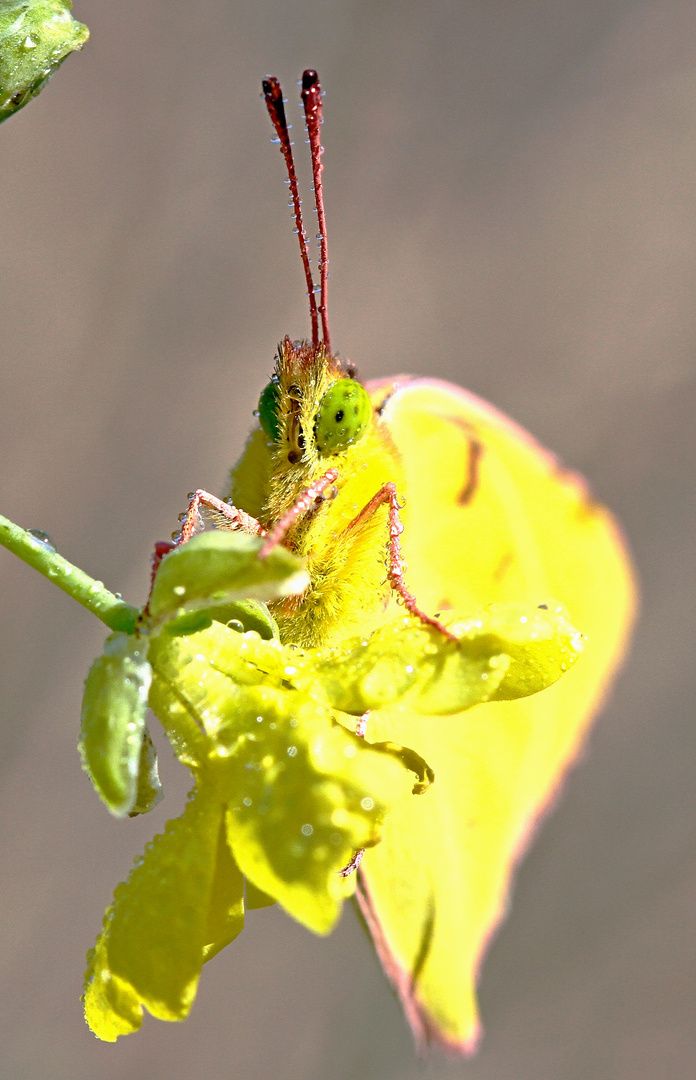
36,36
113,721
155,933
305,799
216,569
285,793
112,1007
303,793
506,651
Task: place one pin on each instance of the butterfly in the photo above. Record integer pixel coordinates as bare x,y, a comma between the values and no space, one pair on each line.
410,491
370,517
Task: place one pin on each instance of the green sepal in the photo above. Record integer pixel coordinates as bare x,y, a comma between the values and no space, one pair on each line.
113,722
36,36
218,568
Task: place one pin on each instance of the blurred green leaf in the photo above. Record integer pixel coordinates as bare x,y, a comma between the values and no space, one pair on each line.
152,945
36,36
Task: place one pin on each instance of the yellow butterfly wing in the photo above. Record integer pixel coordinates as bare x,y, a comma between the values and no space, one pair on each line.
489,516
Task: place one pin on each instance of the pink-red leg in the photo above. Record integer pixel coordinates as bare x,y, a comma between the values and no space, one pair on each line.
315,492
237,518
395,569
189,521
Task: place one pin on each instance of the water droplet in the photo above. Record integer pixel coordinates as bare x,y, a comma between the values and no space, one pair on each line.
350,751
306,830
523,618
409,669
179,590
246,800
292,751
367,803
42,539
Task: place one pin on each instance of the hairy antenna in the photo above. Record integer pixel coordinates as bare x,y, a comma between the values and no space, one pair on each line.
273,96
311,99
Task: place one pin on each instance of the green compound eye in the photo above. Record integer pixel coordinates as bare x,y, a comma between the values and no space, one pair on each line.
344,413
268,410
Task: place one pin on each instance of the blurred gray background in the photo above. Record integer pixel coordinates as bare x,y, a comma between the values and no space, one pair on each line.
511,191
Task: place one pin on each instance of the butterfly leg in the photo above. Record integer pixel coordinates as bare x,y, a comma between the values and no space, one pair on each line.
237,518
320,489
189,521
395,568
352,866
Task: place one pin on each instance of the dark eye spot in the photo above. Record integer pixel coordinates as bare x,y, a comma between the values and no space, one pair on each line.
300,441
339,416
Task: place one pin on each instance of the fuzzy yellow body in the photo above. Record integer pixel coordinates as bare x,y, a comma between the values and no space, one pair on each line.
348,591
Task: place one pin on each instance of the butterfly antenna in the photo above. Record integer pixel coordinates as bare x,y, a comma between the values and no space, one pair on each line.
311,99
273,96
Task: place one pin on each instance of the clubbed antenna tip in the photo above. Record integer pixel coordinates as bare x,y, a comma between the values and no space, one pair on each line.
311,100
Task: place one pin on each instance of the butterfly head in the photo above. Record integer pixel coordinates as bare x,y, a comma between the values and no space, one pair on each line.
312,409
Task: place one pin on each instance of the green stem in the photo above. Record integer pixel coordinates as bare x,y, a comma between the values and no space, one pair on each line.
116,613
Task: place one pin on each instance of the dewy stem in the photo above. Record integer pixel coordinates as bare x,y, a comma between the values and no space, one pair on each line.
116,613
